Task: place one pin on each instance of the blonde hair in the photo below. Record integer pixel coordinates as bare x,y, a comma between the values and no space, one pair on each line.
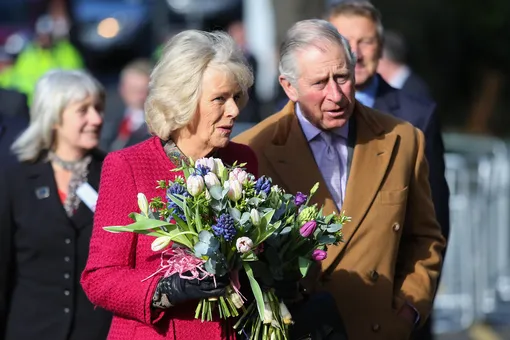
54,91
175,84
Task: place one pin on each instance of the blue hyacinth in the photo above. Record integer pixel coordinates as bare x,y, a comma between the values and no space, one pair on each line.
202,170
225,227
263,185
177,189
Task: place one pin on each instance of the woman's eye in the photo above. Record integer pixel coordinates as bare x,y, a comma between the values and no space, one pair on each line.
221,98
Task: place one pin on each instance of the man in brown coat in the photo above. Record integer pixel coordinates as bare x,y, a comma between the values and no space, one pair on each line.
370,165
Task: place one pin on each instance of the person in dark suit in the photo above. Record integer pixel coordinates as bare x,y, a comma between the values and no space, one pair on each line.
13,103
47,202
124,120
360,23
394,70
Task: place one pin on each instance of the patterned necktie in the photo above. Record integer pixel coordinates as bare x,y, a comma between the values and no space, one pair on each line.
331,168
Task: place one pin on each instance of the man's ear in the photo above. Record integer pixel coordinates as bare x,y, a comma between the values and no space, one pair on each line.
289,89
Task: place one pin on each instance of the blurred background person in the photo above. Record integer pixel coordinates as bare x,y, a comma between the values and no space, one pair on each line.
13,103
124,120
47,203
361,24
42,54
250,113
197,90
394,69
13,120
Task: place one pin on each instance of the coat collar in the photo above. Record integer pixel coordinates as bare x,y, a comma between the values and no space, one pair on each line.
40,176
291,157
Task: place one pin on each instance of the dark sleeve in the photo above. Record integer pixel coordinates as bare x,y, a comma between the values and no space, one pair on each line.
22,108
6,250
434,152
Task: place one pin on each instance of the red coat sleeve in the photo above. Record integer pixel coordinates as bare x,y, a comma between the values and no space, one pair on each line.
110,278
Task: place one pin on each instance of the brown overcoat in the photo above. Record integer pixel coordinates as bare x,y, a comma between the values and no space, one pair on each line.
391,252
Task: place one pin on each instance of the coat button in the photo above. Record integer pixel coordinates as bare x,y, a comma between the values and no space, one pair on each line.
374,275
376,327
396,227
66,310
66,292
67,259
68,240
67,276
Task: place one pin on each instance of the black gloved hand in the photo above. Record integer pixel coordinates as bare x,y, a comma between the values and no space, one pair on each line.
173,290
288,289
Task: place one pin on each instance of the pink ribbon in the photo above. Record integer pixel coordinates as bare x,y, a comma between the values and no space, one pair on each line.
180,261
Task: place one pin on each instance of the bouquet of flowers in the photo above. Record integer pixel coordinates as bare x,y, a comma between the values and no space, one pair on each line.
221,220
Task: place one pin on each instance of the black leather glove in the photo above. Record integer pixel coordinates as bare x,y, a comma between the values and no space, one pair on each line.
288,289
173,290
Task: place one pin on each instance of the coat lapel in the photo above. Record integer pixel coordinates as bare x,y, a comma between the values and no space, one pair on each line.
293,161
371,158
44,187
84,216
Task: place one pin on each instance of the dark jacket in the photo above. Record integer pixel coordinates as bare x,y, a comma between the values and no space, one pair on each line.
13,103
421,112
10,128
42,255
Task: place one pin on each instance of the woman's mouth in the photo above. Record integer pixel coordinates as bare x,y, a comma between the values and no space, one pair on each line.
225,129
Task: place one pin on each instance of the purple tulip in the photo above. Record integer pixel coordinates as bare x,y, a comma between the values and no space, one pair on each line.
300,199
308,228
319,254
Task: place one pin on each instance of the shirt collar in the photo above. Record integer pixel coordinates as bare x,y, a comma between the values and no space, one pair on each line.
367,95
311,131
400,77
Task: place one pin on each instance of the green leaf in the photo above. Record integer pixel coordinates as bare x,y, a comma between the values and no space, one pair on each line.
304,264
120,229
244,218
328,218
333,228
235,213
144,223
257,292
198,219
327,239
269,231
249,257
181,238
216,192
180,222
177,201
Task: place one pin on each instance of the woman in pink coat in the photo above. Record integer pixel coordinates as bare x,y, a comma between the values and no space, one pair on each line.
196,92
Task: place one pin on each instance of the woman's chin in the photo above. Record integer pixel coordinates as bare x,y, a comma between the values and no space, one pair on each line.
221,142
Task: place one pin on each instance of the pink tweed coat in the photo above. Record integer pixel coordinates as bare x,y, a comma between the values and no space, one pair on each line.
118,263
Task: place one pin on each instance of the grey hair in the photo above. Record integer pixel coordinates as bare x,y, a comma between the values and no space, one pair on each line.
358,8
175,84
305,34
54,91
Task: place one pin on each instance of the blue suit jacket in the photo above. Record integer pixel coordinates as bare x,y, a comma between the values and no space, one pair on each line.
420,112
